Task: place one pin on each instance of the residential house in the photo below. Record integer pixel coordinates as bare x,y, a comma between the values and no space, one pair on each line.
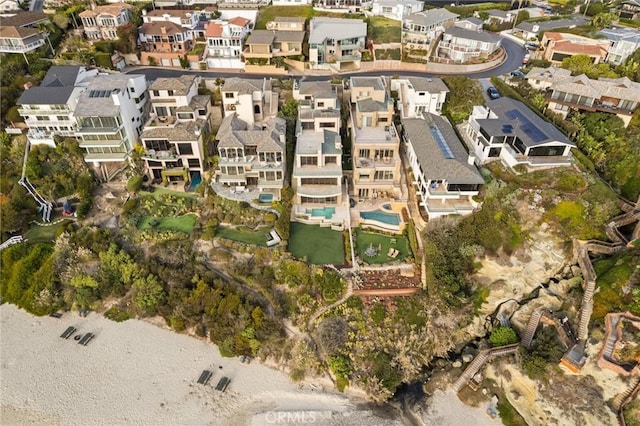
252,100
462,45
558,46
622,43
19,33
335,43
543,78
396,9
111,113
619,96
417,95
421,29
266,45
630,9
291,2
317,169
102,22
509,131
175,136
318,106
351,5
286,23
531,30
9,6
163,43
444,174
252,156
224,42
188,19
496,16
471,23
374,140
48,109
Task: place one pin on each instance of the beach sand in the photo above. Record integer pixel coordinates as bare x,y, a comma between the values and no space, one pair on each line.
137,373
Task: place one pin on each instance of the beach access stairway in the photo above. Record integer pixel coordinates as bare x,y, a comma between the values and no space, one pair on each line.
45,206
625,397
11,241
530,330
479,361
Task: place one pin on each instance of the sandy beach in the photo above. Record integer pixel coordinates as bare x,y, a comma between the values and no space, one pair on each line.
137,373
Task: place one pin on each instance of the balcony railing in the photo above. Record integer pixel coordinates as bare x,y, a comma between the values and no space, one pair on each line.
22,48
160,155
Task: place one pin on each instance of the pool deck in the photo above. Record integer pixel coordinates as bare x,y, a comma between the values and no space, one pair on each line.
370,205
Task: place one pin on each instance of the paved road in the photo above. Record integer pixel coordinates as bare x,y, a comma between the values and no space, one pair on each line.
515,53
36,5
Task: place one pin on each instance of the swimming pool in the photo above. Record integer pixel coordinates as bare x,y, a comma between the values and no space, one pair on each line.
265,198
380,216
196,179
326,212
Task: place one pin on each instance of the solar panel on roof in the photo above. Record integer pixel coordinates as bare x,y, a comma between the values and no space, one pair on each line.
507,128
444,146
527,126
99,93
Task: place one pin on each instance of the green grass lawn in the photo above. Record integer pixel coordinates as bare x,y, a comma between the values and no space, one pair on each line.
319,245
39,233
384,30
184,223
382,243
198,49
269,13
243,235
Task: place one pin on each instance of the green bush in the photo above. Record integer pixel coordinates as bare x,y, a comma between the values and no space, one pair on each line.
116,314
502,336
103,60
135,183
104,46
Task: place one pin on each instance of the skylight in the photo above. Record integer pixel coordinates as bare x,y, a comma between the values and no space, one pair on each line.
444,146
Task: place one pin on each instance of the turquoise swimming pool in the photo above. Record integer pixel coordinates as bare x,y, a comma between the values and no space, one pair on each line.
380,216
265,198
326,212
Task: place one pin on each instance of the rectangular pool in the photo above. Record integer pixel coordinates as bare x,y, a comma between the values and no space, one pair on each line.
383,217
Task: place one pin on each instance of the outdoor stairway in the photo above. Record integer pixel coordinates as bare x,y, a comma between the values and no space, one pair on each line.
622,398
532,326
11,241
614,234
479,361
586,310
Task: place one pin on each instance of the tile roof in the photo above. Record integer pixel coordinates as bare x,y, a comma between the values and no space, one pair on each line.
431,85
543,26
17,32
181,131
239,21
473,20
179,85
618,34
235,133
515,119
370,105
173,13
213,30
550,74
155,28
499,13
109,9
243,85
55,89
431,17
434,163
616,88
336,28
318,89
270,37
568,46
103,106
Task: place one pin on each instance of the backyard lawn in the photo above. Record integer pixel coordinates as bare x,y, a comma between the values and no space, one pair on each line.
384,30
319,245
381,244
158,194
393,54
244,235
269,13
39,233
184,223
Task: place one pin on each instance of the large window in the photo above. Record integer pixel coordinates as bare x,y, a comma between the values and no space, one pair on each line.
158,144
319,181
331,160
326,200
384,153
193,163
271,176
98,122
384,175
363,153
185,148
309,161
328,124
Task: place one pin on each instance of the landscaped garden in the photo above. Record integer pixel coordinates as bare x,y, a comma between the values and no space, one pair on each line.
379,248
318,245
384,54
45,233
184,223
243,234
383,30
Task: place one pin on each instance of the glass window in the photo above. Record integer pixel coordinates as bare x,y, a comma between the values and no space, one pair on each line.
185,148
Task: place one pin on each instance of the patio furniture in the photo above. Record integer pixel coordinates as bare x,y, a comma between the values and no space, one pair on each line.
393,241
390,252
86,339
205,377
223,384
68,332
395,253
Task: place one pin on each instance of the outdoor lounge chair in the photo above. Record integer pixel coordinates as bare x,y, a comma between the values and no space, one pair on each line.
395,253
390,252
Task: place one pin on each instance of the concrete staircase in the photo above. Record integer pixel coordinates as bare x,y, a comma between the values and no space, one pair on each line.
479,361
532,326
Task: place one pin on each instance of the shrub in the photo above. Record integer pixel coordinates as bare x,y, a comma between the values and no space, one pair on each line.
116,314
502,336
129,206
135,183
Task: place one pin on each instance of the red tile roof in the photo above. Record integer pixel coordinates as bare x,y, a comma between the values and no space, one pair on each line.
213,30
239,21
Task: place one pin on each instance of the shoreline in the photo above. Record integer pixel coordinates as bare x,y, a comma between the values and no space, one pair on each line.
136,372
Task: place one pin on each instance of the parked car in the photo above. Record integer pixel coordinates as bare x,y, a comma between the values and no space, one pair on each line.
517,74
493,93
530,45
526,58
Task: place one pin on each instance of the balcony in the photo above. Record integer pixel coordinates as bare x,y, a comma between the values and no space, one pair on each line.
161,121
154,155
25,48
458,48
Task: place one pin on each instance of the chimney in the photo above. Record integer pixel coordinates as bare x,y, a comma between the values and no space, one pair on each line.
471,159
144,12
535,28
163,30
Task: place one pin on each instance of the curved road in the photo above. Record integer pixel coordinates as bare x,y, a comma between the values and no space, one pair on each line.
515,54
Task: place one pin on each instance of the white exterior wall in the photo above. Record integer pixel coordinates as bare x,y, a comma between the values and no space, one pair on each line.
242,105
417,102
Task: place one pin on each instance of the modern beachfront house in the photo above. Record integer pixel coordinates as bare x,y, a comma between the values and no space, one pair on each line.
251,156
317,166
110,114
175,136
374,140
507,130
335,43
444,174
49,109
102,22
224,42
252,100
416,95
420,30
